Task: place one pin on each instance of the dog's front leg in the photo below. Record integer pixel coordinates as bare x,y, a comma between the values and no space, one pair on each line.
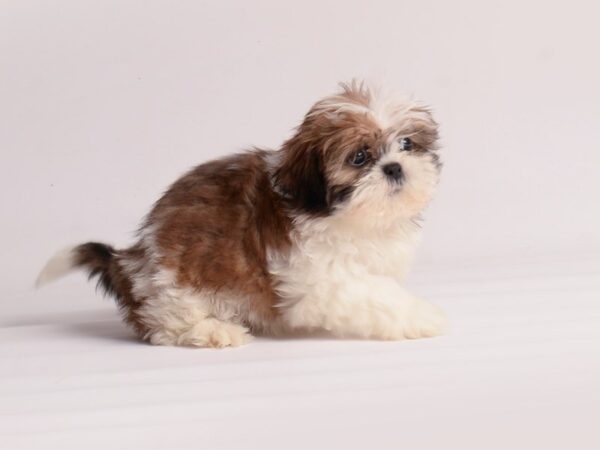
375,307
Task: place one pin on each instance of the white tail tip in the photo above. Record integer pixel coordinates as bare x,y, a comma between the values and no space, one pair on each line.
58,266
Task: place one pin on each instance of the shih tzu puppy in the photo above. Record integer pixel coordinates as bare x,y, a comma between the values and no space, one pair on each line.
317,235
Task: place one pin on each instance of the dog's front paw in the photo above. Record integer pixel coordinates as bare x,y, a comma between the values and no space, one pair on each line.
424,320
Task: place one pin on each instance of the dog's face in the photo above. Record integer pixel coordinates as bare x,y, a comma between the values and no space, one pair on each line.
361,155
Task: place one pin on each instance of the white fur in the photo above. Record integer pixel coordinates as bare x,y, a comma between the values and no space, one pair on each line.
348,281
58,266
375,198
388,109
392,110
345,271
179,316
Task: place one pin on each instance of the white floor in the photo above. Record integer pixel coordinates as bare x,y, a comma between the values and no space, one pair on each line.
520,369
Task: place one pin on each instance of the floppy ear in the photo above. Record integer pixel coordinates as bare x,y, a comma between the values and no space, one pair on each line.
301,177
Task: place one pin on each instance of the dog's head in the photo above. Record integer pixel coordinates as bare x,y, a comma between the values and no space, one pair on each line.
360,153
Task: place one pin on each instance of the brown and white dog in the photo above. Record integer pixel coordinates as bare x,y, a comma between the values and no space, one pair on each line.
317,235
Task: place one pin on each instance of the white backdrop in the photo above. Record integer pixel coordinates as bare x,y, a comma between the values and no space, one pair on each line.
103,104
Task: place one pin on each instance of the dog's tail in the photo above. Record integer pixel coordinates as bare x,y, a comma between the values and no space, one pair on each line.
99,260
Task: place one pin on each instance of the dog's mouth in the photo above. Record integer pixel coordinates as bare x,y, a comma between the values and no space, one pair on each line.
394,190
396,186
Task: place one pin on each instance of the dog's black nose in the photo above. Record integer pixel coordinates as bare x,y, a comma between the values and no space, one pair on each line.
393,170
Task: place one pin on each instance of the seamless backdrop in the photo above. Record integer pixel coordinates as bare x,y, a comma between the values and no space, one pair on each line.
103,104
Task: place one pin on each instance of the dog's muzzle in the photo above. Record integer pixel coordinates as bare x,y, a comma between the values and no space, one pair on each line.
393,171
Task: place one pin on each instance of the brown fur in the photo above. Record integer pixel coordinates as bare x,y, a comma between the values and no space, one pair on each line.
214,226
101,260
313,168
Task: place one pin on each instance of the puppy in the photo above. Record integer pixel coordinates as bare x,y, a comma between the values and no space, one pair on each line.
317,235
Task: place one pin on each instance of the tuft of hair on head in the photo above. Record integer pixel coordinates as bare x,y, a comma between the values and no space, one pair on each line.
353,96
358,91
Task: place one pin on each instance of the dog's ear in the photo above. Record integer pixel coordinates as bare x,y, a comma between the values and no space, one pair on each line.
301,176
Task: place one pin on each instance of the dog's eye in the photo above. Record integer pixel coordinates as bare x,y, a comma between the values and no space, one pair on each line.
406,144
359,158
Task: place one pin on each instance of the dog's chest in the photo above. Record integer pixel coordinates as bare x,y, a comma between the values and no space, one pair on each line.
316,257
